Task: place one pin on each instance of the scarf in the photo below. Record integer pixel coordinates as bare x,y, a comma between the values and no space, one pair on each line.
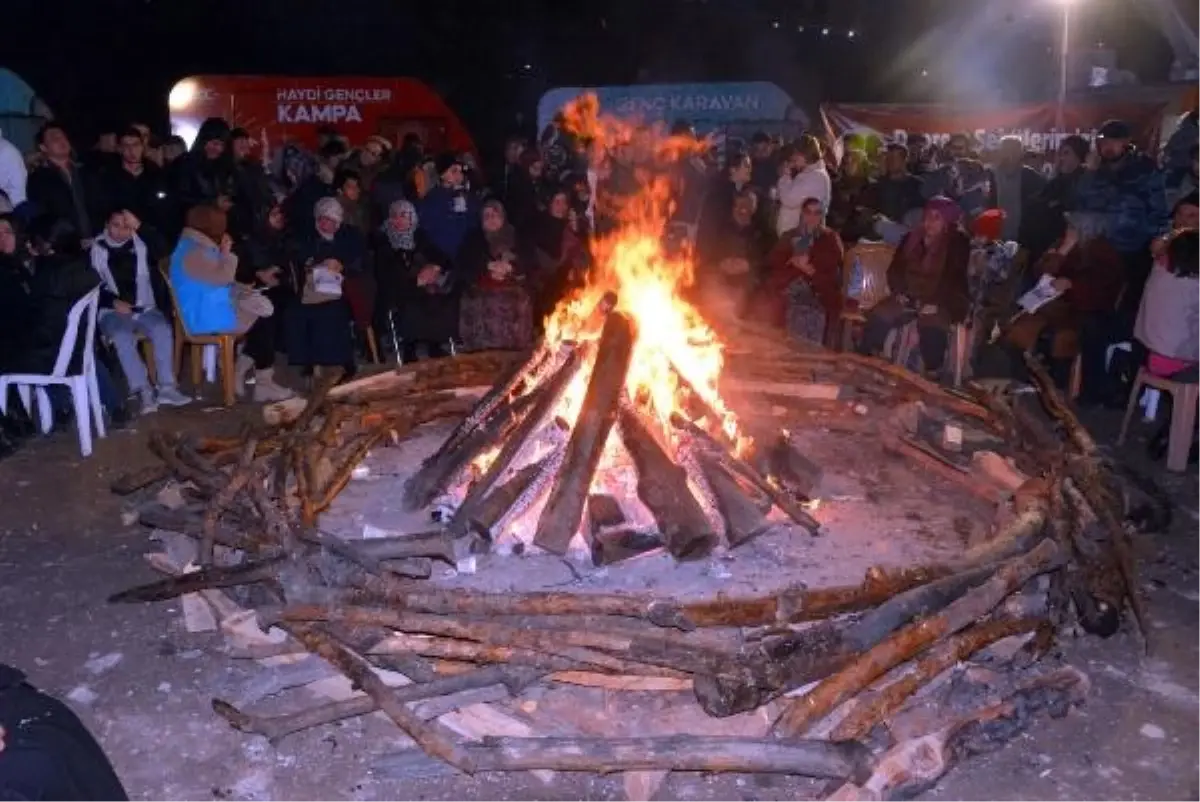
401,240
100,250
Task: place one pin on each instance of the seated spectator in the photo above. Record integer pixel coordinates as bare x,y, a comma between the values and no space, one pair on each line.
203,274
928,282
495,310
803,286
990,272
319,334
266,261
733,263
1087,271
413,281
545,244
132,297
59,276
347,186
1168,321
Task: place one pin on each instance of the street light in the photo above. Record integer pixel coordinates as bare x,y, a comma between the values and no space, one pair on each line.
1063,53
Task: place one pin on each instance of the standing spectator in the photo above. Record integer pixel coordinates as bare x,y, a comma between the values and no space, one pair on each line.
370,160
1058,196
446,210
12,172
134,186
764,169
252,191
1015,189
301,203
509,169
1182,182
206,172
897,192
523,200
802,176
58,187
132,293
732,256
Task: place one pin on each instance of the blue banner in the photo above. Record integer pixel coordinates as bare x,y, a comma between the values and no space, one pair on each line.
709,107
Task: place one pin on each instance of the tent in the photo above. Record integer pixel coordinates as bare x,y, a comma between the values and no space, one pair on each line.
22,112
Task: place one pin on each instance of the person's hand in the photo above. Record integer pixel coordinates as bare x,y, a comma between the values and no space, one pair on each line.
735,266
333,265
224,203
268,276
803,263
428,275
226,244
929,309
1158,246
1061,284
132,221
86,242
122,307
1069,241
1092,162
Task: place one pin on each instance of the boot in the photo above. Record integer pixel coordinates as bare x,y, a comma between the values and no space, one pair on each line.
266,390
241,369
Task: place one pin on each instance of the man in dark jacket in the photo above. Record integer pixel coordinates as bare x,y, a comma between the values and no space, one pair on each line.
1016,188
45,751
58,187
252,191
897,191
137,186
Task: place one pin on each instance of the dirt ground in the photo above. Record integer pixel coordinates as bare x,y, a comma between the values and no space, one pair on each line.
143,685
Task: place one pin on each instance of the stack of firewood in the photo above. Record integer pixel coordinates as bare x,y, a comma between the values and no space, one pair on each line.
842,671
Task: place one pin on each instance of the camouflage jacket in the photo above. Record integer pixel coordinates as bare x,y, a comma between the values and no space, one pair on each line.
1133,195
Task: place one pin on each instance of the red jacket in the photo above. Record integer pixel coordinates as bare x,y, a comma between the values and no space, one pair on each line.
825,255
1096,272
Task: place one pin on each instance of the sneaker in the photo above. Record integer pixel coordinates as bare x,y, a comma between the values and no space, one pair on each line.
146,401
243,370
267,391
171,397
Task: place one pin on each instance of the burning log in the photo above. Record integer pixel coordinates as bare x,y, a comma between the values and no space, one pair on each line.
547,397
744,521
489,511
915,638
608,538
662,487
795,472
563,510
954,650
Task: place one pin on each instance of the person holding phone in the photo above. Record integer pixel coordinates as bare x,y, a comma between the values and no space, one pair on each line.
132,297
803,286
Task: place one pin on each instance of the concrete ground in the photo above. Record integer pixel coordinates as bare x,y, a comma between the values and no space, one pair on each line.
143,685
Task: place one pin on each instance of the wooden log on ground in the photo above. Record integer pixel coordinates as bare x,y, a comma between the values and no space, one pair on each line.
662,487
744,521
942,657
276,728
468,652
906,448
132,481
547,398
794,471
433,738
675,753
212,576
159,516
609,651
915,638
623,543
563,511
767,668
492,509
1089,474
915,765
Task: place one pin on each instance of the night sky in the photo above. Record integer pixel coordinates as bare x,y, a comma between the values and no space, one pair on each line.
102,63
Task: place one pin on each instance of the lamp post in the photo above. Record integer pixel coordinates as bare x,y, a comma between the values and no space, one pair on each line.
1064,49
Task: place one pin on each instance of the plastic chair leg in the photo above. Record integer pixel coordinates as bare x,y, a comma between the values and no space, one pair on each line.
83,416
196,360
372,345
93,391
45,409
1183,422
1138,383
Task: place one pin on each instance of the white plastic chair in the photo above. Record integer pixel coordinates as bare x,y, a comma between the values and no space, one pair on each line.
85,393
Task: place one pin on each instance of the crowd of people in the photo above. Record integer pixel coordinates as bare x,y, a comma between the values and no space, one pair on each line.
362,249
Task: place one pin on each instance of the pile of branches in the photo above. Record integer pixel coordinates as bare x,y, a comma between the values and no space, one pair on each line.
842,669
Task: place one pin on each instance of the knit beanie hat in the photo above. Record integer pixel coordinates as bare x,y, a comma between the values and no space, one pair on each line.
445,161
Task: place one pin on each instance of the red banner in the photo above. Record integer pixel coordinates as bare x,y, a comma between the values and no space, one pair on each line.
1033,123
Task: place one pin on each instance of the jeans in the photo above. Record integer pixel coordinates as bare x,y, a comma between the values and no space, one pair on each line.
122,331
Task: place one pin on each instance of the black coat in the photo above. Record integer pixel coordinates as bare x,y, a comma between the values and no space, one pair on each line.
57,283
421,314
75,199
145,194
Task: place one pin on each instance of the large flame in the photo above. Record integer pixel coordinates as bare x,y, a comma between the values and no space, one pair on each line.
673,341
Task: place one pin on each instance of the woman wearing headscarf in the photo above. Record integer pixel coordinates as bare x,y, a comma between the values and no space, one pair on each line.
319,329
803,286
1087,271
206,174
732,263
928,283
413,297
209,298
496,311
545,242
265,262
